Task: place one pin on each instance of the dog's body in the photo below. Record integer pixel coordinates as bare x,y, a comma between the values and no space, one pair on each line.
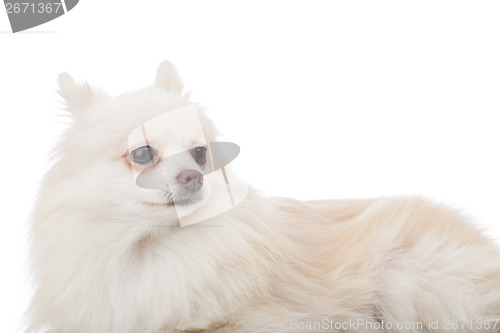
108,256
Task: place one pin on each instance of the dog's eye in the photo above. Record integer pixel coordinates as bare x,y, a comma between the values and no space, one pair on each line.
200,155
143,155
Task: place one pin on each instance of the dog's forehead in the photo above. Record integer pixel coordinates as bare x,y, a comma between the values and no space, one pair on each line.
172,130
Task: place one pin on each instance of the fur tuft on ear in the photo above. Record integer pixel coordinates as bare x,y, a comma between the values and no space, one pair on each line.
168,78
77,96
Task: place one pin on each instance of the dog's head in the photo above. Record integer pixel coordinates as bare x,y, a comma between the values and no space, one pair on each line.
147,152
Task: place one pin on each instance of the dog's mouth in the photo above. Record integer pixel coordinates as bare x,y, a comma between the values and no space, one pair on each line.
181,202
179,198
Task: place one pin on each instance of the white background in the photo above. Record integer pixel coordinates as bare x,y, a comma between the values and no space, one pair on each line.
326,99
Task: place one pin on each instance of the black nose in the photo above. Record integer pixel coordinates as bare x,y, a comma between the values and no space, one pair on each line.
191,180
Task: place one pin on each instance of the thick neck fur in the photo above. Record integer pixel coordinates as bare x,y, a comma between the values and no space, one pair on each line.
159,273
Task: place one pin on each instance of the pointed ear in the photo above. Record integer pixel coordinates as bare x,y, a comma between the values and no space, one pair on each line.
168,78
76,95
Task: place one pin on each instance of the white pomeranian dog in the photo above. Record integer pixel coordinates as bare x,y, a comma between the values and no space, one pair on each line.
111,251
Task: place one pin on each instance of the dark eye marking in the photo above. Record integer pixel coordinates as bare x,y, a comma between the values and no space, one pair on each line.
200,155
143,155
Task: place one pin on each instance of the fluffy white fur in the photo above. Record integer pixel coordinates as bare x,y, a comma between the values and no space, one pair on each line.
104,261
